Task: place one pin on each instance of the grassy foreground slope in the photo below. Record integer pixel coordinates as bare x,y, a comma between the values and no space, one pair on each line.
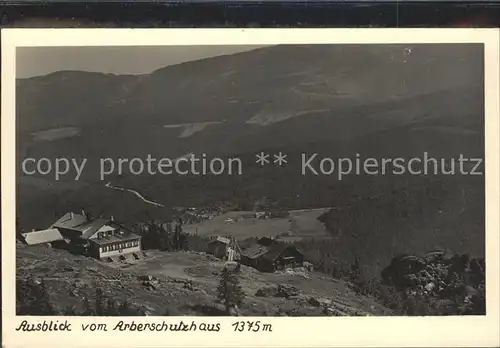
185,284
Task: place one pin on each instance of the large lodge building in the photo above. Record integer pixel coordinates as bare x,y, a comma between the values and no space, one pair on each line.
99,238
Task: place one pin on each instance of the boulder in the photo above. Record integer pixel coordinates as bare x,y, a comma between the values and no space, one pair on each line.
267,291
151,284
410,264
430,286
79,284
308,266
234,311
313,302
471,291
145,277
434,256
287,291
325,301
477,266
334,312
188,285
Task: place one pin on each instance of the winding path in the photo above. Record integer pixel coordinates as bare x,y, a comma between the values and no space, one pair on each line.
135,193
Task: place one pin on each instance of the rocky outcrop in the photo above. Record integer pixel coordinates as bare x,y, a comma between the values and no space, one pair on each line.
438,278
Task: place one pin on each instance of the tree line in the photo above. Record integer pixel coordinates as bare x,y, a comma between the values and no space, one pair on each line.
163,236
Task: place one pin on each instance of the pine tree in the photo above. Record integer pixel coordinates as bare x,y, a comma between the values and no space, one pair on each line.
99,302
32,298
22,298
87,308
125,309
356,276
44,305
111,309
69,310
229,291
355,270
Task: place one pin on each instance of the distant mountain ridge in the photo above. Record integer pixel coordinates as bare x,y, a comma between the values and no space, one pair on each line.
280,78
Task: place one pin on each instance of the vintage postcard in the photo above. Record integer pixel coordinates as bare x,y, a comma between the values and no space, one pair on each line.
295,187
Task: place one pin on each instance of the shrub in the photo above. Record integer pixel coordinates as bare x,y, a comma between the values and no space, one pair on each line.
229,291
32,298
198,243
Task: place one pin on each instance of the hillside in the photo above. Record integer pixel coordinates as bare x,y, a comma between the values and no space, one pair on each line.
184,283
254,94
378,101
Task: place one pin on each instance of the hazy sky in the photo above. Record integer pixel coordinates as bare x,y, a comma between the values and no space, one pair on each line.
36,61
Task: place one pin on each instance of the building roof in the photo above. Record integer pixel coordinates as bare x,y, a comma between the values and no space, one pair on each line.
266,241
270,252
255,251
41,237
116,238
91,227
221,240
275,250
69,221
79,223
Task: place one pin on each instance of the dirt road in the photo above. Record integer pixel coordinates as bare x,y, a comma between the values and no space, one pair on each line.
135,193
